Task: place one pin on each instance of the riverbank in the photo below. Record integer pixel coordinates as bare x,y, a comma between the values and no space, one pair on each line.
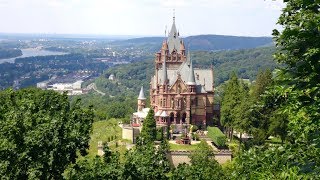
32,52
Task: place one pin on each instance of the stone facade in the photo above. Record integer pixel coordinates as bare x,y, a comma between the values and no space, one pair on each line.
179,93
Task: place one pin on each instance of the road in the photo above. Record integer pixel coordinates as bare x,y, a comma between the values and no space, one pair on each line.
94,87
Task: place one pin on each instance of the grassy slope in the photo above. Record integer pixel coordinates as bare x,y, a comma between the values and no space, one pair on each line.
102,130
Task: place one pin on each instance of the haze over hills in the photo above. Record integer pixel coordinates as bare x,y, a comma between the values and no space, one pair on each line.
202,42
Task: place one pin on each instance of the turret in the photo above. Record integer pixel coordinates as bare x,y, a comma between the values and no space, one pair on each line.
141,100
191,79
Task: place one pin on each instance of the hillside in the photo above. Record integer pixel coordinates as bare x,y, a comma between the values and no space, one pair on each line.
201,42
245,63
121,94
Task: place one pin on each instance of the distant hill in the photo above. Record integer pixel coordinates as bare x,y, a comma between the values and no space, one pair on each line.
220,42
202,42
246,63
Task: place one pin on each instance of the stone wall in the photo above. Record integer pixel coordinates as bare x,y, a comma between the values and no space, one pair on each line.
130,133
179,157
127,133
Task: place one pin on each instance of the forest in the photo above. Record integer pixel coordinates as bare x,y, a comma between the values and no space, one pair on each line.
9,53
44,136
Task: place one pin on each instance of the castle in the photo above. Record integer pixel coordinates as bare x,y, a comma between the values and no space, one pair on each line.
180,93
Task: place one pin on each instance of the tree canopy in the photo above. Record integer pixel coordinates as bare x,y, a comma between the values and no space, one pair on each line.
149,129
40,133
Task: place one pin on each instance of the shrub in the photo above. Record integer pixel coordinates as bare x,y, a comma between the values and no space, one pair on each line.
194,128
195,137
159,136
217,136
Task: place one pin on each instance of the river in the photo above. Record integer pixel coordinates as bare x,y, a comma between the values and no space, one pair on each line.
32,52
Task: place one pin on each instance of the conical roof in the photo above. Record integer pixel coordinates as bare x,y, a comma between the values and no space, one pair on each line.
141,94
191,79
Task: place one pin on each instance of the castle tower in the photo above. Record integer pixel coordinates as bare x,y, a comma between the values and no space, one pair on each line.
179,93
141,100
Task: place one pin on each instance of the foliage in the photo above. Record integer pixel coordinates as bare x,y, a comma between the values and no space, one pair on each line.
146,161
9,53
246,62
107,167
117,110
217,136
103,131
203,165
194,128
263,108
106,107
298,83
40,133
235,106
149,130
277,162
294,98
263,80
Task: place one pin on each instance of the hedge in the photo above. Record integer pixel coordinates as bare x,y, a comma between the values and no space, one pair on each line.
217,136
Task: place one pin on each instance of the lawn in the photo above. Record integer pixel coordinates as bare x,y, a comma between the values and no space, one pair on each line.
103,131
176,147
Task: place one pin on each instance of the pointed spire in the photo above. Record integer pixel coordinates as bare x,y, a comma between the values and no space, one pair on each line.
174,16
173,37
164,69
141,94
188,57
191,79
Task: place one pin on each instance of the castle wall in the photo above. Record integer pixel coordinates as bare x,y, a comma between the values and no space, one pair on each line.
178,157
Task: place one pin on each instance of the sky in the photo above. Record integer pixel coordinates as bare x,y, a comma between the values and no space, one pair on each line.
140,17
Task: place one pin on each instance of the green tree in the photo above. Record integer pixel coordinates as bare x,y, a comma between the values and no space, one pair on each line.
298,82
149,129
40,133
297,99
146,161
263,107
263,80
229,101
242,111
235,106
117,110
279,125
106,167
275,162
203,165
